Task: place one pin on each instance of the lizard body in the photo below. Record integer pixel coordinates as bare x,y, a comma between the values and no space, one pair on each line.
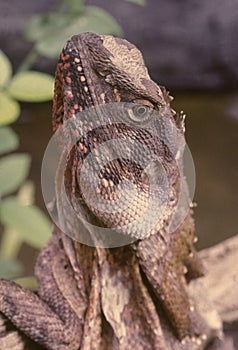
137,295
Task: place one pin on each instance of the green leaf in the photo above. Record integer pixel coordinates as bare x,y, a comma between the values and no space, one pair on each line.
40,26
29,221
75,7
93,19
13,171
32,86
100,21
8,140
27,282
5,69
9,109
9,268
138,2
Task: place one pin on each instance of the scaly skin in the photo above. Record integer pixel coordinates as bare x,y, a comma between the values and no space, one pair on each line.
99,298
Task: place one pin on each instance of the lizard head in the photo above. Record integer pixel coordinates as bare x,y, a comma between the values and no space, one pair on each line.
122,66
97,69
101,70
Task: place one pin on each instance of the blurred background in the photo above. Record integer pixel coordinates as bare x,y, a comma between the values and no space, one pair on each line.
190,47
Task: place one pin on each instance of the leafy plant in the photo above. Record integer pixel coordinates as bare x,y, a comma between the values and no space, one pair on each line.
50,31
28,86
21,219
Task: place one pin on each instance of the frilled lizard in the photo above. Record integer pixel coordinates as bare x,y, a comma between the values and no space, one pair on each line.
142,295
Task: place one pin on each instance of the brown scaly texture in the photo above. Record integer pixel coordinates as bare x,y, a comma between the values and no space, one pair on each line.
136,296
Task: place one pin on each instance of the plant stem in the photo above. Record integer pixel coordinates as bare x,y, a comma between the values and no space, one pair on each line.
10,244
28,61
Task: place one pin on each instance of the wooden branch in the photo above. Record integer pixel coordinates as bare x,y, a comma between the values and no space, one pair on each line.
221,263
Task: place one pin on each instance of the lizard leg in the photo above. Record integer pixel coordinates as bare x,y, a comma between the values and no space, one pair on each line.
168,269
49,319
33,316
80,285
168,283
9,340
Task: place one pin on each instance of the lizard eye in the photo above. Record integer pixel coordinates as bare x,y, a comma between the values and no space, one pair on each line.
140,111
